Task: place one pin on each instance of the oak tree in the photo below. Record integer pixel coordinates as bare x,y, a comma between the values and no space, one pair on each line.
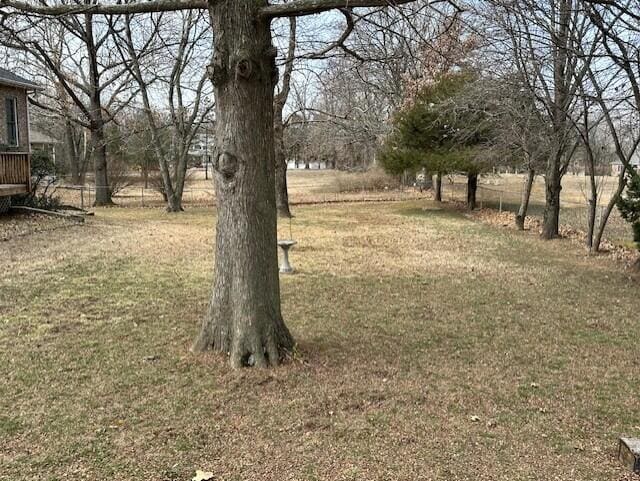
244,318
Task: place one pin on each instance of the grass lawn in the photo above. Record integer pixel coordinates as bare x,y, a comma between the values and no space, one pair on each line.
429,347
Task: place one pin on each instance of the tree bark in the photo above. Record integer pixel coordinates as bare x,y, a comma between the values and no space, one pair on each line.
99,146
593,197
604,218
103,191
472,190
560,107
175,187
282,193
72,152
553,186
438,189
244,318
521,216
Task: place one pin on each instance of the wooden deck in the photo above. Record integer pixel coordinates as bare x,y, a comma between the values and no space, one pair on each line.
13,189
15,173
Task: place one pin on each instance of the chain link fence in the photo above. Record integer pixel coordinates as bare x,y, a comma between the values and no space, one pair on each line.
504,194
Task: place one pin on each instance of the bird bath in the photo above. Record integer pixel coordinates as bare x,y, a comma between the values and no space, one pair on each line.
285,245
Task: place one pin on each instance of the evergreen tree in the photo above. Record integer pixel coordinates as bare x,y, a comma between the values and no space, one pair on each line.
629,206
433,133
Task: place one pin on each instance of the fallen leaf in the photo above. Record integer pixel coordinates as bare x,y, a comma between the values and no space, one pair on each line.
202,476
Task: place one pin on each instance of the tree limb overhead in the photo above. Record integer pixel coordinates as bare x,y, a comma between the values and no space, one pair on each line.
104,8
298,8
291,9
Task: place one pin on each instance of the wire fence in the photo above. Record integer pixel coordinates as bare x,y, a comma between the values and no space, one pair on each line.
502,193
574,212
83,196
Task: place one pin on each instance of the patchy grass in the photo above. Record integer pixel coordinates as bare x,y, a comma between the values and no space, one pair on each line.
429,347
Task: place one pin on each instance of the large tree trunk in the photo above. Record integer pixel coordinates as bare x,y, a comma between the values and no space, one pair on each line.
553,186
521,216
559,119
244,319
175,186
472,190
72,152
438,189
174,202
103,191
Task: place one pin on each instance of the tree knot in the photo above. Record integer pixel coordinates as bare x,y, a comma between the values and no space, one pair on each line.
244,68
227,165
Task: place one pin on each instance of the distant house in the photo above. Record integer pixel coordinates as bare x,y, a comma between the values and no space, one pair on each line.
44,143
201,148
616,165
15,148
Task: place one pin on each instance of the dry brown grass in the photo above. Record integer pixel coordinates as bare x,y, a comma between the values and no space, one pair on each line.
429,347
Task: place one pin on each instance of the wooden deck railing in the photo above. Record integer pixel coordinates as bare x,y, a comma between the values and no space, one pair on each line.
15,168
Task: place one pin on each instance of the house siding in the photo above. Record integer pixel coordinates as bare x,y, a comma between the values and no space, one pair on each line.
23,117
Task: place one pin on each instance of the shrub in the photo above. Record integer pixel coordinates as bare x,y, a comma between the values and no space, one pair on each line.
371,180
43,184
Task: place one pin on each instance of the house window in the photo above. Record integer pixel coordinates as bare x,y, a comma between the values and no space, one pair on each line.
11,108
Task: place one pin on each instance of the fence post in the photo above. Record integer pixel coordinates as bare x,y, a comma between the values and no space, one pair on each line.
82,197
500,201
142,196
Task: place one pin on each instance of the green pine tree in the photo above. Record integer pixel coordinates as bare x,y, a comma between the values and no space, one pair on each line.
629,206
426,135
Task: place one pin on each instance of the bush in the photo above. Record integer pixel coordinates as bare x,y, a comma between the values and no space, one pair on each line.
43,184
119,174
370,180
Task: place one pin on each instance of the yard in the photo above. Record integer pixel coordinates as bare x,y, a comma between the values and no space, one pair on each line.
430,347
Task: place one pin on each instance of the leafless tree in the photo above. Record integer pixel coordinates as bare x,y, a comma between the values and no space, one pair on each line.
552,44
366,80
182,82
78,53
614,85
280,100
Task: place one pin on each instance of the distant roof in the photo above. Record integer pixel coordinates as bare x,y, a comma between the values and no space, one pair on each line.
9,78
37,137
633,161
